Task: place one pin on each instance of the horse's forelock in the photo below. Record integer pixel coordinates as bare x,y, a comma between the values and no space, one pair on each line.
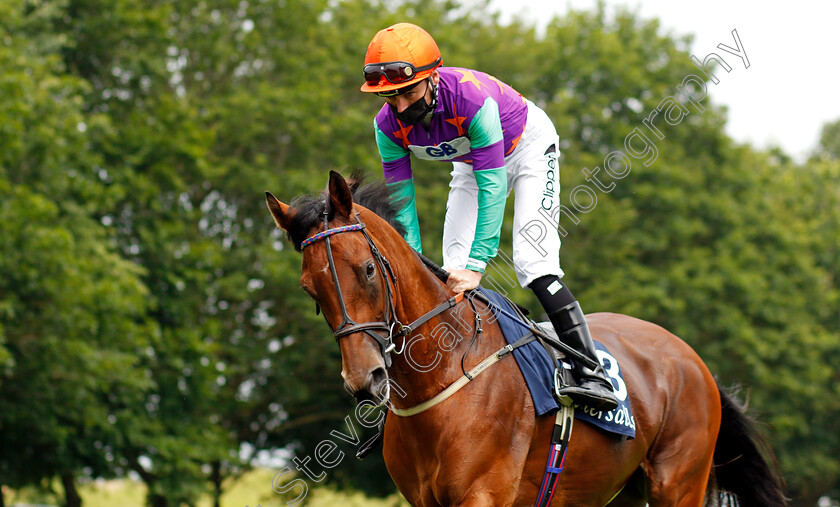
308,214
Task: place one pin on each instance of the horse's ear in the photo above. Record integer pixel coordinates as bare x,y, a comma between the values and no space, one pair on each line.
341,197
281,212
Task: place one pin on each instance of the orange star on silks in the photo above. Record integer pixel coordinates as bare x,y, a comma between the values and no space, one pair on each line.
402,133
513,145
501,88
457,121
469,77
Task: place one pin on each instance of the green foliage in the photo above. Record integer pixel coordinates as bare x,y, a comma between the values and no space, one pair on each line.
71,308
150,316
830,140
71,311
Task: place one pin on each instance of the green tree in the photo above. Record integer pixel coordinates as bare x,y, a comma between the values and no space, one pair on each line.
71,316
136,139
71,309
716,242
830,140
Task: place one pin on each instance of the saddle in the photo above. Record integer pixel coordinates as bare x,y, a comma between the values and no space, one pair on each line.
546,335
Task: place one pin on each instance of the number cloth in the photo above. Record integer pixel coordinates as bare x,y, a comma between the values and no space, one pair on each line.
538,370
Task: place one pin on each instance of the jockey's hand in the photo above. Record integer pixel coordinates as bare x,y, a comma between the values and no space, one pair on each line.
463,279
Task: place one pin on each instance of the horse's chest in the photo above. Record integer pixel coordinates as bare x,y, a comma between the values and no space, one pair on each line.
442,466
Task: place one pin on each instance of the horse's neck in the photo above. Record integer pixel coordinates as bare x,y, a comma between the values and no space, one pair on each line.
431,356
418,291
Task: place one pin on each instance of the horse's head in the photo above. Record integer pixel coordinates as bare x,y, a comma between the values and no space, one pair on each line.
350,280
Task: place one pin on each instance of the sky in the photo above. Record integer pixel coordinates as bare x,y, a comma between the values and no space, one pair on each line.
785,95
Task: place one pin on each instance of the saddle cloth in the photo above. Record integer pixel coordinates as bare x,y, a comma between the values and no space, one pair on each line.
538,367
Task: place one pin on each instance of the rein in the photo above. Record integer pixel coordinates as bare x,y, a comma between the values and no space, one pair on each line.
392,326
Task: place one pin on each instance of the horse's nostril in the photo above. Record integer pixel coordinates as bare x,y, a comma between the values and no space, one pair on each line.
377,385
375,378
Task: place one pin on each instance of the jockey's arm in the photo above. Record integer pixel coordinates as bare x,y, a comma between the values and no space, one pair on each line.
487,152
396,165
488,159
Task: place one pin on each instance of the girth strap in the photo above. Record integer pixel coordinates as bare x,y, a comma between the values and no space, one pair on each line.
560,438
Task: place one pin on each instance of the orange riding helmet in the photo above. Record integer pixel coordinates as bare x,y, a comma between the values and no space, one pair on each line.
399,56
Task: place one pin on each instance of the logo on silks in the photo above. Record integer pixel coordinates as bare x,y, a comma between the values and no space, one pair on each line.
446,150
621,419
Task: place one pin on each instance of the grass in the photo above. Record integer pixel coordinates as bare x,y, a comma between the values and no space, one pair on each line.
252,489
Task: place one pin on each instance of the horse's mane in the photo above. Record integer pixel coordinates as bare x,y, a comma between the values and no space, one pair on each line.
309,209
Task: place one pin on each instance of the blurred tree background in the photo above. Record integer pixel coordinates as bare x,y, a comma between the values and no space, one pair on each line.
151,323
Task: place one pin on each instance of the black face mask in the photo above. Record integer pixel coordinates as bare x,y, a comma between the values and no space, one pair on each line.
417,110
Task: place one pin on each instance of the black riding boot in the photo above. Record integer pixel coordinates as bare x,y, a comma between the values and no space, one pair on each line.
593,389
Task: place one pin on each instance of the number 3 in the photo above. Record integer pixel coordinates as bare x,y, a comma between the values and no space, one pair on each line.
611,367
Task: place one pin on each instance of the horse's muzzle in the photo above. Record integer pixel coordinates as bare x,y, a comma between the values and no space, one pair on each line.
376,388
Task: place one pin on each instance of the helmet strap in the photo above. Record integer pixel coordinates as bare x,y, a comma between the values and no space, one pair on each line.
427,118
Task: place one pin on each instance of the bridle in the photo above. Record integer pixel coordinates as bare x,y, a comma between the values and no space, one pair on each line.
384,331
394,328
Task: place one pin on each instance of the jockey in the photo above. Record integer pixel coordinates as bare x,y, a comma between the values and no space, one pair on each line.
497,141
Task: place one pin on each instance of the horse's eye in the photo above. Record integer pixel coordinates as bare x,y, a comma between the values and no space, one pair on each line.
370,270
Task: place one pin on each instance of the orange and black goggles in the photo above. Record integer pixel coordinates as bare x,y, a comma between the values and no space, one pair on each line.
394,72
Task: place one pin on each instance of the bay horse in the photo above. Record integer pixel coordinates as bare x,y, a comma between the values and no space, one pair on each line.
484,446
